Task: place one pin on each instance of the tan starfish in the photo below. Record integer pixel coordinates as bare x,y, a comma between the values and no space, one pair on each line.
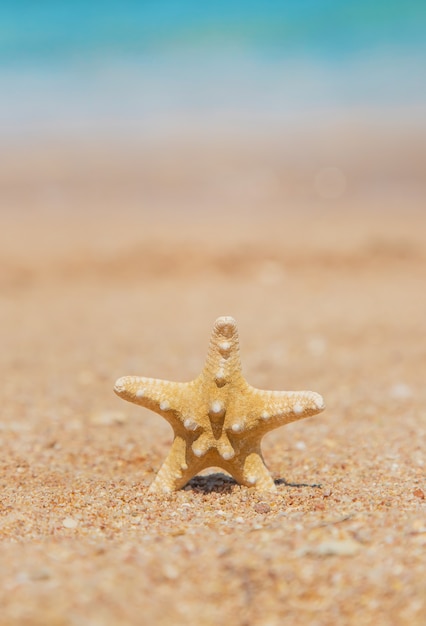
218,419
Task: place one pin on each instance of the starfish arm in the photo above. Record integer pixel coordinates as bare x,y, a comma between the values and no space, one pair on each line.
250,470
161,396
223,362
179,467
271,409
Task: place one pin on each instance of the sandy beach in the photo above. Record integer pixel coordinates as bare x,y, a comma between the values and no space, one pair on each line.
115,259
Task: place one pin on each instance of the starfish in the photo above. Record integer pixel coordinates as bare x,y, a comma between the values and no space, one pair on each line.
218,419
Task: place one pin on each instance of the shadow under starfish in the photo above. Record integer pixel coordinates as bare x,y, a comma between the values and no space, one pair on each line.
218,482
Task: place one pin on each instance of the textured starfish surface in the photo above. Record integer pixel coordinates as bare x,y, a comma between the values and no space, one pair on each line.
218,419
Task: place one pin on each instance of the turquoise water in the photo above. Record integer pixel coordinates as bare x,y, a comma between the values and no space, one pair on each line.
56,31
129,64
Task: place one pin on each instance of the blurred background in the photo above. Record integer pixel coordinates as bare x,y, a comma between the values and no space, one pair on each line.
168,110
153,67
183,104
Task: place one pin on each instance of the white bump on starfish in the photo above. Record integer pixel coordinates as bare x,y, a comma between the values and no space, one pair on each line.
217,407
265,415
164,405
224,348
225,449
201,445
140,393
252,480
190,424
237,427
298,408
227,455
183,467
198,451
220,377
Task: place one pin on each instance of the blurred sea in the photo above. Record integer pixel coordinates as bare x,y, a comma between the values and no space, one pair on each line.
140,66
